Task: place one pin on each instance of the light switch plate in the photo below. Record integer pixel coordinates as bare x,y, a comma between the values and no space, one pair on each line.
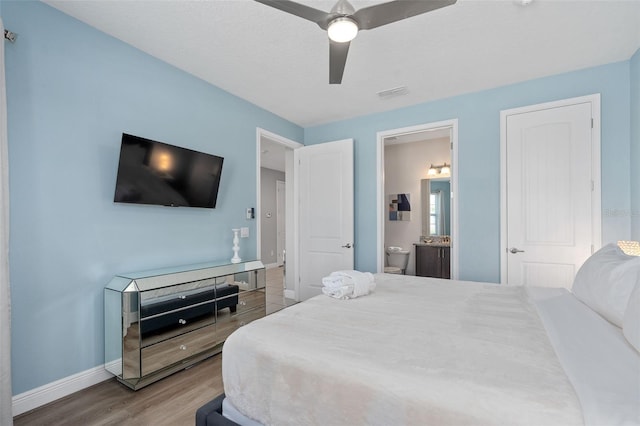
244,232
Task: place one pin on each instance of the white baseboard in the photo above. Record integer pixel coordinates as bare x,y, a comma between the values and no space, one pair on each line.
289,294
50,392
115,367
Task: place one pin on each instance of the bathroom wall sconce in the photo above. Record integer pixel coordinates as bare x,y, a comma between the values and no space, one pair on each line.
443,169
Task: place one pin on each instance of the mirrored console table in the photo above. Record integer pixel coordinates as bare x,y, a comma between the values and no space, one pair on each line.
162,321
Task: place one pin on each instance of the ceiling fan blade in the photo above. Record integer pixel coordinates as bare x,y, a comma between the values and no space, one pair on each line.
309,13
386,13
337,60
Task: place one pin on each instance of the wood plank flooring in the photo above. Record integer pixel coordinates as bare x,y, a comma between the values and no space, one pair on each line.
172,401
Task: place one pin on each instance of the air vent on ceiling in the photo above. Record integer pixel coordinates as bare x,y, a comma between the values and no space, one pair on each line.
390,93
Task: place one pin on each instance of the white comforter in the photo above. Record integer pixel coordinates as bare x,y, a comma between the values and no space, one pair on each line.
414,352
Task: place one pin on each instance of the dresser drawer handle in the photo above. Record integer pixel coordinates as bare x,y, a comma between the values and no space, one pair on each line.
182,297
182,321
183,348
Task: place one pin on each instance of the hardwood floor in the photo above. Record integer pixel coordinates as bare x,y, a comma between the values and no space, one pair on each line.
172,401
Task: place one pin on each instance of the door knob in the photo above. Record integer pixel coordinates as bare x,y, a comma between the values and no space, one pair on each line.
348,245
515,250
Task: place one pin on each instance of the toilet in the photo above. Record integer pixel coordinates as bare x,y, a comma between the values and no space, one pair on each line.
397,260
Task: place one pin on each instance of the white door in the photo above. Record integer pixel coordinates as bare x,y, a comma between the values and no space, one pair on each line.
549,189
325,215
280,221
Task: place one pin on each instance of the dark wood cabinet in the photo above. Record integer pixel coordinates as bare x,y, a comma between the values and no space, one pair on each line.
433,261
445,264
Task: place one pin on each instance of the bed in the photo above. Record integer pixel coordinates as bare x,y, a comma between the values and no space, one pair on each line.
420,351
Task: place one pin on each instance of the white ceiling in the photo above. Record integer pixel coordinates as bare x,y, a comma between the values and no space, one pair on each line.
280,62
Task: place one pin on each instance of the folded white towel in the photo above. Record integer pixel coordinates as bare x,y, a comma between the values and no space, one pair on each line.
344,292
348,284
332,281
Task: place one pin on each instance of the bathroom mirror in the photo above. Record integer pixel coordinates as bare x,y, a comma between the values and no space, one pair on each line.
436,206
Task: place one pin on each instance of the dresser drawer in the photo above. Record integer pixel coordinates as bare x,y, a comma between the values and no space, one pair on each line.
180,324
249,300
227,324
246,301
176,349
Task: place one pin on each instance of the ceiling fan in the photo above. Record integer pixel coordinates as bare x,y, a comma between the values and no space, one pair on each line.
343,22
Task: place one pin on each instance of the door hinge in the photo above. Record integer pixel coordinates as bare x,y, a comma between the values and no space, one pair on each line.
592,123
451,146
593,186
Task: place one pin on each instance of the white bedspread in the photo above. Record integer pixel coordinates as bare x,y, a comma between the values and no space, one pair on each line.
416,352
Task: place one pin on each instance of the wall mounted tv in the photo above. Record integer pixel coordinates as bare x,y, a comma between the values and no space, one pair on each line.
152,172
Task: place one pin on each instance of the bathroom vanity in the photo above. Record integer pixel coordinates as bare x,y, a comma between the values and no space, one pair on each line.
433,260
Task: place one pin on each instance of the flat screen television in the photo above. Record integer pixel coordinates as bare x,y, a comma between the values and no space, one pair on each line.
151,172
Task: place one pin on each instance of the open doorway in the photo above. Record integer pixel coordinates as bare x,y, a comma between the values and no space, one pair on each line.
274,213
417,185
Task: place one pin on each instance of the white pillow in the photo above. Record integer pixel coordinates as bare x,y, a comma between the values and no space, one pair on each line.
631,323
606,280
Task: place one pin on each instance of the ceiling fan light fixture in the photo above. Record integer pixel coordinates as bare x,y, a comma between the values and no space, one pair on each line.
343,22
342,30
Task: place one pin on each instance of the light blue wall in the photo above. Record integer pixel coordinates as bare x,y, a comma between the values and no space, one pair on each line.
635,146
479,159
72,91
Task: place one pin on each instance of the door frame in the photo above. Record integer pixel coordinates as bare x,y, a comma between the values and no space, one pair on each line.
382,208
279,213
596,198
292,229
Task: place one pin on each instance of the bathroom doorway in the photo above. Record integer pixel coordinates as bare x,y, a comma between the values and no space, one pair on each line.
415,166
